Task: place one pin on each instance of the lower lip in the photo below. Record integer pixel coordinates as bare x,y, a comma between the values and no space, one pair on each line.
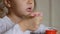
29,10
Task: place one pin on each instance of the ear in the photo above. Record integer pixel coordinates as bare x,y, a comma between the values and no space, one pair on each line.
7,3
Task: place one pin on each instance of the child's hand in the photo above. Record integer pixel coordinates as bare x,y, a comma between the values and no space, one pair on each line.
35,20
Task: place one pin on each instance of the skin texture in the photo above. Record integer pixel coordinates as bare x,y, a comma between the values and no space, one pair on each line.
22,12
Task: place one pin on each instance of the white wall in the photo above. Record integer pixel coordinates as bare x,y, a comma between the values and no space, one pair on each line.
56,14
43,6
51,11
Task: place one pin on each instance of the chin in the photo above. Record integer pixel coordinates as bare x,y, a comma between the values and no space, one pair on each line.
26,13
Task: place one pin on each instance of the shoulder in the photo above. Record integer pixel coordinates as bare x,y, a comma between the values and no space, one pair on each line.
2,25
5,24
2,19
6,20
14,30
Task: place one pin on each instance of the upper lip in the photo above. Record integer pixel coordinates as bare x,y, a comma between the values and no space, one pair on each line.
29,7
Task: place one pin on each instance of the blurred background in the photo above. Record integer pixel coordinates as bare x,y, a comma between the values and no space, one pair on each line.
50,9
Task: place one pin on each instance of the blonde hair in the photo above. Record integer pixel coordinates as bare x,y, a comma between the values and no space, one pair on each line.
3,10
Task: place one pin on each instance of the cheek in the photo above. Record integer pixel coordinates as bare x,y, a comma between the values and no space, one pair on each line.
20,3
21,7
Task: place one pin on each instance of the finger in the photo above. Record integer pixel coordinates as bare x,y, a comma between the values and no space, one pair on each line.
38,18
34,14
38,14
41,14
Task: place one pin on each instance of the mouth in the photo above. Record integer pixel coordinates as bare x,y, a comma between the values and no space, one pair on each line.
29,9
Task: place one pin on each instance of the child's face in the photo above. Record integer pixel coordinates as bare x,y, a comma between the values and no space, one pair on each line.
22,7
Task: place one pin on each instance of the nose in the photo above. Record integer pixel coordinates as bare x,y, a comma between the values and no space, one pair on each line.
30,1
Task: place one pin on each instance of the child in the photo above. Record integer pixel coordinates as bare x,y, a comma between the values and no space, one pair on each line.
21,18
